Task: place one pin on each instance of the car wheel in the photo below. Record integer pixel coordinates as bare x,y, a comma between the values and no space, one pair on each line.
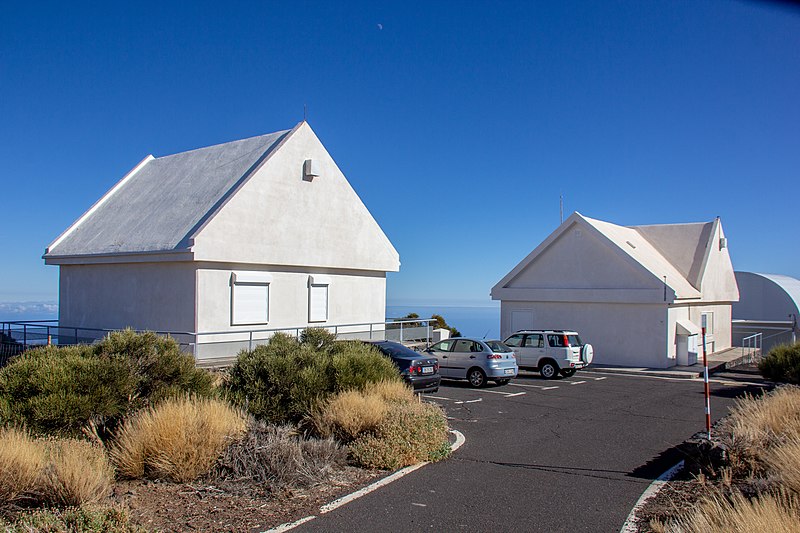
476,378
569,372
502,381
548,370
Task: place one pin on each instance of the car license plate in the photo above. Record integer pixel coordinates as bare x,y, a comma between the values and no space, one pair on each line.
509,370
427,370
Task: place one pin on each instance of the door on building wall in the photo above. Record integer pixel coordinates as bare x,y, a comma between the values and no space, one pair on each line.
521,319
686,350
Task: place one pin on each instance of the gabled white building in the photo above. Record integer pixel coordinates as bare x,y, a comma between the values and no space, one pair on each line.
258,233
638,294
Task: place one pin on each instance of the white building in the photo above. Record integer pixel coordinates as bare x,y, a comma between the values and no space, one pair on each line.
769,304
258,233
638,294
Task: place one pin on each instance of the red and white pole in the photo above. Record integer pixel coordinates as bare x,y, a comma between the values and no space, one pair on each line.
708,393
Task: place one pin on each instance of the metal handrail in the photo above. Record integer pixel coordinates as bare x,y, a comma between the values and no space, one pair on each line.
751,345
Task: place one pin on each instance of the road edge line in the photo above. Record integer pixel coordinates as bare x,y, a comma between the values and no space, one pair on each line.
335,504
630,523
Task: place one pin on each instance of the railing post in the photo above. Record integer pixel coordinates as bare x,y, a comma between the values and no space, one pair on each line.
25,335
76,335
250,342
401,331
370,331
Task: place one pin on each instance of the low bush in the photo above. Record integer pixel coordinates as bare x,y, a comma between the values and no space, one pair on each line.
284,380
756,425
782,364
280,458
62,389
410,433
22,461
783,463
73,520
55,472
738,514
178,439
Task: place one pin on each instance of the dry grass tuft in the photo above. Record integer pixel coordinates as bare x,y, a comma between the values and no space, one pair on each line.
756,425
67,472
351,413
78,472
783,462
178,439
738,514
22,460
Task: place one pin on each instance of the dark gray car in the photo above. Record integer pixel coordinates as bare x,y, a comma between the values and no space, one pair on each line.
475,360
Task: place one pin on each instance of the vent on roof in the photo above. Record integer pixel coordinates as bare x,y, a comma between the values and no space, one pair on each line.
723,243
631,244
310,169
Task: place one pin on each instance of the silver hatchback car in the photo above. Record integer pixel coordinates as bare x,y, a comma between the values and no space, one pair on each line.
476,360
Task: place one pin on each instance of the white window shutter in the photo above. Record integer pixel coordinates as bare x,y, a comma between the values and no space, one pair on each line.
249,299
318,303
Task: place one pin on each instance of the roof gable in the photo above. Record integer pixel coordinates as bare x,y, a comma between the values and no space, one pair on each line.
158,205
627,242
683,245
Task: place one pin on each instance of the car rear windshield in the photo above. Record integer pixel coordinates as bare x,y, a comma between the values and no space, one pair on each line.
398,350
574,340
497,346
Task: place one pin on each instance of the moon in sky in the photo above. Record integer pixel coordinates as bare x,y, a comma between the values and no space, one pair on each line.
380,26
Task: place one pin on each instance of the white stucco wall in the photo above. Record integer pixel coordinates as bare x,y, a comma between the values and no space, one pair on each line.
154,296
279,218
718,340
621,334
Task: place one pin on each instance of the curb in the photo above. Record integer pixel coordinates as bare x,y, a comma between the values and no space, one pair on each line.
630,523
679,374
335,504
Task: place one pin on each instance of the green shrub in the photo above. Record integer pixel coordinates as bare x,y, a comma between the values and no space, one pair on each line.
284,380
410,433
61,389
54,389
356,365
782,363
162,370
73,520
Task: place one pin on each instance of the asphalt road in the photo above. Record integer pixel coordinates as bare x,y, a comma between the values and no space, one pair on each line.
567,455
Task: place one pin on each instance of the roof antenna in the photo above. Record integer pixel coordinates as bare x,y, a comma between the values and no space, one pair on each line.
561,206
305,112
487,332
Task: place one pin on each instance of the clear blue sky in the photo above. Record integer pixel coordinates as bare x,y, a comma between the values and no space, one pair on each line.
458,124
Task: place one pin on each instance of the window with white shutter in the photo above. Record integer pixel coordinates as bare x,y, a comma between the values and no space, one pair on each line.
318,298
250,298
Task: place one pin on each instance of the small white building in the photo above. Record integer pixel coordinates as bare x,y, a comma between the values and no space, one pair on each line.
259,233
638,294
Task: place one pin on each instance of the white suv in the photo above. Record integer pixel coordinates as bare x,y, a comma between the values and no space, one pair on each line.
550,351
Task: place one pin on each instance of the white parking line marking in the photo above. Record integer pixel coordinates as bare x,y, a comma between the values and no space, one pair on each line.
469,401
494,392
549,388
437,397
526,385
419,504
516,394
577,382
290,525
598,379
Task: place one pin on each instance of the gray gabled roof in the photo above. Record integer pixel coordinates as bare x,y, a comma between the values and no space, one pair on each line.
160,204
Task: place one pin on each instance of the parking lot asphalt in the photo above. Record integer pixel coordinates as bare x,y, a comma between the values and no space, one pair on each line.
571,454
